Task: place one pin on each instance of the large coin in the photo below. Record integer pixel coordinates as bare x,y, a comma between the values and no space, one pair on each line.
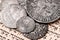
11,14
5,3
39,32
25,25
44,11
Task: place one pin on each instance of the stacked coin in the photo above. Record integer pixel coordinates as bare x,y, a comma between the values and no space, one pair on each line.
39,31
25,24
42,12
33,20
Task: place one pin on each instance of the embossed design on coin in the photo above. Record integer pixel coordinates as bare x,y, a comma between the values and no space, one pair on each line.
39,32
11,14
25,25
44,11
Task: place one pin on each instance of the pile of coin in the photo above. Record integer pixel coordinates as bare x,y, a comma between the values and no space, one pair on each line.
30,17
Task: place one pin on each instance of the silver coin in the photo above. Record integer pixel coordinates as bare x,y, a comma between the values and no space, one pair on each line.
39,31
4,4
44,11
25,24
11,14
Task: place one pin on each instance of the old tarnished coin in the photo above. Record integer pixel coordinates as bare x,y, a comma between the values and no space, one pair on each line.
44,11
25,25
11,14
39,32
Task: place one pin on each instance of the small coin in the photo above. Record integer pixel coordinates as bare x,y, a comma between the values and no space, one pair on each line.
25,24
44,11
39,31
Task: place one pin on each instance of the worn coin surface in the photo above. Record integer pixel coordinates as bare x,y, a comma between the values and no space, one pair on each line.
11,14
5,3
39,31
25,25
44,11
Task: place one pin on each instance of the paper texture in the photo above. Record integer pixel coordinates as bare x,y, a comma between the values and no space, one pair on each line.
12,34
